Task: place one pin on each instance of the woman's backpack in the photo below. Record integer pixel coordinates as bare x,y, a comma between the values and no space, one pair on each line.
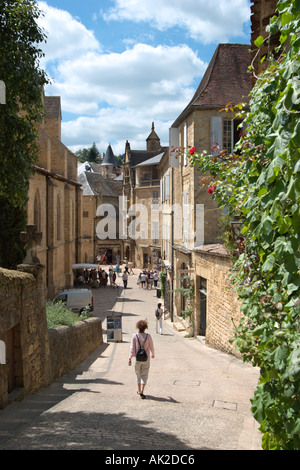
141,355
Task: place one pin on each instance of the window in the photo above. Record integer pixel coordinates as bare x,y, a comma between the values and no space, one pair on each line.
62,298
155,198
126,176
155,232
224,134
165,187
227,135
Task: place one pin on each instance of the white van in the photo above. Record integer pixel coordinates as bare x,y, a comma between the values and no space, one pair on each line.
76,299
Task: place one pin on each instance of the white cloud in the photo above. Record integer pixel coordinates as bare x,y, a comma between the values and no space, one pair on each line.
206,21
140,77
113,126
67,37
115,96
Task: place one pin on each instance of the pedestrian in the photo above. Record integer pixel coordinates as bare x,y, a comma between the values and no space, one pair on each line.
110,274
151,280
155,277
146,280
141,367
143,280
118,269
158,318
104,278
114,277
125,279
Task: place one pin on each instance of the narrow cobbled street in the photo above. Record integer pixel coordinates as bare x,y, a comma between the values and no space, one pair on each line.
196,397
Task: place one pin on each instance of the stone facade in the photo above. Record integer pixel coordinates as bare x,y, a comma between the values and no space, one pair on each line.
216,307
99,193
199,259
55,203
31,356
23,331
141,188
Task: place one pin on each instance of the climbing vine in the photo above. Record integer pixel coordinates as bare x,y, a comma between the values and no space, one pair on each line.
163,280
260,184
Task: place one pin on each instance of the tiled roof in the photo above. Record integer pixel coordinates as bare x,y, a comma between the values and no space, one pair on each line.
152,161
213,249
90,183
140,156
226,80
93,184
109,158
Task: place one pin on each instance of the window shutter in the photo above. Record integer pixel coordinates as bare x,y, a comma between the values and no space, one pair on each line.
162,190
216,134
185,144
168,185
174,144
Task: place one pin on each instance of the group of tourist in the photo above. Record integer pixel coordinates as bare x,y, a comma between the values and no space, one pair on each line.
99,277
147,279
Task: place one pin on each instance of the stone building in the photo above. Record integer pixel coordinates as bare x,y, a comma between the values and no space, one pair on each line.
199,260
55,203
25,364
141,230
100,195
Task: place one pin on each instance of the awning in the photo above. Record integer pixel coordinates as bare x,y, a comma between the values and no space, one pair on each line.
85,266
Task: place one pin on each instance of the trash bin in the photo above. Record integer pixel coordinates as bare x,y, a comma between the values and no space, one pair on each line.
158,293
114,328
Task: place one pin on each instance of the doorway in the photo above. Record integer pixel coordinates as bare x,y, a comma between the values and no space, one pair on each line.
203,305
10,359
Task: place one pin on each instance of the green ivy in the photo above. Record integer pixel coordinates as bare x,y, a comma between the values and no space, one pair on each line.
261,184
163,280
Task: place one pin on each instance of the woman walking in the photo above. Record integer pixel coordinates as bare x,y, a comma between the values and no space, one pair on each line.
158,318
141,367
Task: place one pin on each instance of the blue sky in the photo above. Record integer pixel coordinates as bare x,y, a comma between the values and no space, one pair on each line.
120,65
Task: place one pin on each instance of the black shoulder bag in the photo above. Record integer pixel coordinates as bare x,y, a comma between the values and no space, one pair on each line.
141,355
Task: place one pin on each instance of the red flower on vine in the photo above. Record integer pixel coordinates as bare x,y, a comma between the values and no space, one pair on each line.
212,189
192,150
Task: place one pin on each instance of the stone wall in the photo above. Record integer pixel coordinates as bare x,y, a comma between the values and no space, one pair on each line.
69,346
222,305
31,356
23,330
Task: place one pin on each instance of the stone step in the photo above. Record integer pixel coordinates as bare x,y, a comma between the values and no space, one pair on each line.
178,326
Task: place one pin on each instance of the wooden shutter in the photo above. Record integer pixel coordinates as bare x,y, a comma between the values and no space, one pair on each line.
215,134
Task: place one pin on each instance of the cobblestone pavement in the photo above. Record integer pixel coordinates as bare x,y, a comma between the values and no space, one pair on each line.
197,397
